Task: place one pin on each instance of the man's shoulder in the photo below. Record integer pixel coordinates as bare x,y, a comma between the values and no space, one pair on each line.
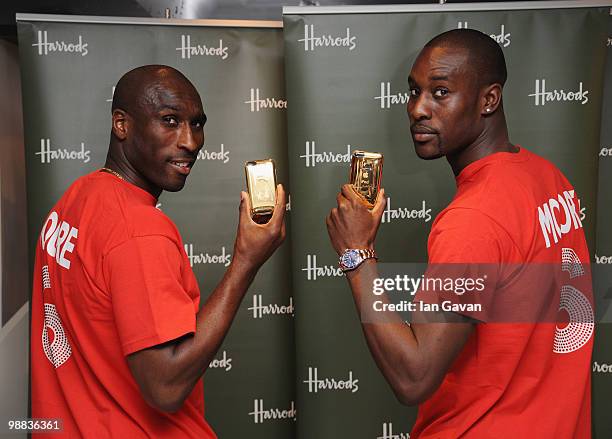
115,211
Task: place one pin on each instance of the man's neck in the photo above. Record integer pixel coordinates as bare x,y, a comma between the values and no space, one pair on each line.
128,173
493,139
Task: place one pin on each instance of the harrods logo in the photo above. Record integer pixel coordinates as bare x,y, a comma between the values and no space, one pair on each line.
288,205
257,103
605,152
548,219
330,384
260,310
207,258
188,50
47,154
603,259
542,96
387,432
312,40
387,98
312,157
224,362
313,271
502,38
112,95
605,368
609,43
424,213
260,414
46,47
221,155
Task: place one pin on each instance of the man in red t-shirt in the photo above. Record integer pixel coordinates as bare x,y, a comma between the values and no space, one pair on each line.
508,370
119,342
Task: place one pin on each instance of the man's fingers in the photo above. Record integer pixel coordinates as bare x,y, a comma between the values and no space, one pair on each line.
381,202
279,208
245,208
349,192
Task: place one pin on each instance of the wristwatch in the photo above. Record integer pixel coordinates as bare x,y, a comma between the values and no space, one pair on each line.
351,258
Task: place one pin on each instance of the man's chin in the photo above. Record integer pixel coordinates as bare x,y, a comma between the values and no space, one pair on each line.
175,186
427,150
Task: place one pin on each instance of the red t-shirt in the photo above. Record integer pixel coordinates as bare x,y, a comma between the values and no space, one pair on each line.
516,379
111,278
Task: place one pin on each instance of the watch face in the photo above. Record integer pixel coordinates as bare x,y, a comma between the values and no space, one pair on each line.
351,258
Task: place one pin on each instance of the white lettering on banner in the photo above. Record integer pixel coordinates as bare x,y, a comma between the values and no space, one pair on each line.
387,99
45,46
312,157
112,95
548,219
206,258
47,154
313,271
56,238
603,259
606,368
288,205
260,415
311,41
542,96
158,206
609,43
315,384
389,214
387,433
187,50
224,363
260,310
204,154
502,38
605,152
257,103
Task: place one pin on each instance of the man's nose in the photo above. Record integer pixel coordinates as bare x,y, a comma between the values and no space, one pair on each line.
188,139
418,108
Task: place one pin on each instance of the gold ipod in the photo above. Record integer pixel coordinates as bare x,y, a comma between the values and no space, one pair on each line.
261,185
366,175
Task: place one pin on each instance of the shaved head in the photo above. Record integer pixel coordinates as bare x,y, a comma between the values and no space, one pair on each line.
485,57
139,88
157,128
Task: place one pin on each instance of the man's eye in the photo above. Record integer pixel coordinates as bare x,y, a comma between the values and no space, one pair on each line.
414,92
440,92
171,120
197,124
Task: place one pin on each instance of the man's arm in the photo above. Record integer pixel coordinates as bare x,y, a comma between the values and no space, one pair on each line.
167,373
413,358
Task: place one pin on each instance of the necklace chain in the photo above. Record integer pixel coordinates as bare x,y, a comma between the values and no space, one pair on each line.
110,171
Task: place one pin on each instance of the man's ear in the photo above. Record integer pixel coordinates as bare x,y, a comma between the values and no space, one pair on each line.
121,124
491,99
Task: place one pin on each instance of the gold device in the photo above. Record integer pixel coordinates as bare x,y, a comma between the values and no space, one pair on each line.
261,185
366,175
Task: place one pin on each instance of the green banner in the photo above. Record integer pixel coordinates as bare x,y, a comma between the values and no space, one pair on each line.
69,71
346,76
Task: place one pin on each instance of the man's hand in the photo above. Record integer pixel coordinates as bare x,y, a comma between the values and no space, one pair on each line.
255,242
352,224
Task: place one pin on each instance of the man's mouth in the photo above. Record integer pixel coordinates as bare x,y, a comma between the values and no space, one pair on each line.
421,133
183,166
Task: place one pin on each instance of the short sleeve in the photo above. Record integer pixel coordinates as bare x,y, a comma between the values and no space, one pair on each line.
150,303
465,251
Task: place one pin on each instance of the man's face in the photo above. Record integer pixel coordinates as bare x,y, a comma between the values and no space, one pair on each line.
167,133
443,110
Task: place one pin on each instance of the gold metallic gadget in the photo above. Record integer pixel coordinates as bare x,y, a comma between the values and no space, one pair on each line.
366,175
261,185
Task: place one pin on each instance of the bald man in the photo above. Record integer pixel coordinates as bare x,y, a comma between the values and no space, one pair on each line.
118,345
473,376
